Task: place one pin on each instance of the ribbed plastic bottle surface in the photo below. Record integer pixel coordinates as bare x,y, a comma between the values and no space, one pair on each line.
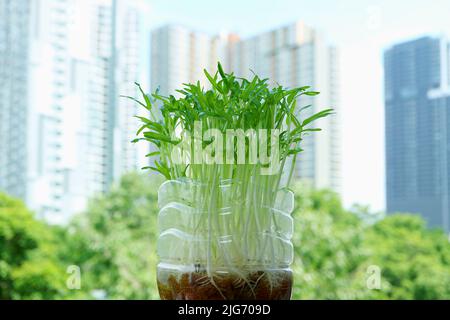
226,241
224,227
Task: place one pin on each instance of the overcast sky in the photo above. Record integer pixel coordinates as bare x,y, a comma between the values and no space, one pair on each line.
361,29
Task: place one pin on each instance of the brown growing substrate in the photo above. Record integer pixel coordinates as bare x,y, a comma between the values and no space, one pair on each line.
259,285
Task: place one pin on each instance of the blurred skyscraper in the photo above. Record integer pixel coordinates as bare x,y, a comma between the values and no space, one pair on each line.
295,55
179,55
64,135
417,107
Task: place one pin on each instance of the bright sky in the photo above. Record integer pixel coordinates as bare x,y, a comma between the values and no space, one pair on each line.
361,29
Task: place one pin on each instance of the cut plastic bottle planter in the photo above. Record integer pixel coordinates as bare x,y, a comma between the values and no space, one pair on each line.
221,241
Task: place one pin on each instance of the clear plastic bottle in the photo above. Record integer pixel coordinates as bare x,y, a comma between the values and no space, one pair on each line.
224,241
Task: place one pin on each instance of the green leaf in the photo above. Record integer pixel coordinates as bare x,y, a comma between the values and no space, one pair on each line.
148,105
134,99
213,81
157,136
295,151
222,74
311,93
304,108
321,114
151,154
312,130
137,140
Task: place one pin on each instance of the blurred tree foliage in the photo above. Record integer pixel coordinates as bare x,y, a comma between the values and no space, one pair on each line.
337,252
328,247
113,242
29,268
415,261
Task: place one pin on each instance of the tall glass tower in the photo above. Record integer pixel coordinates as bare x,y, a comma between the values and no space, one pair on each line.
417,107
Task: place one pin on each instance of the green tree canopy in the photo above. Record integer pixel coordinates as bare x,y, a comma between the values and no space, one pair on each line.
414,260
28,268
328,247
114,241
114,244
334,248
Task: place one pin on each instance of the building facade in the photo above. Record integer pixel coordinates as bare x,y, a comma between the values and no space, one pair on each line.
293,56
14,45
179,55
77,58
417,111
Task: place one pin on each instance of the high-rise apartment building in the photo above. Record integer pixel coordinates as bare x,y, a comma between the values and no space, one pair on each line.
417,107
179,55
64,132
15,34
293,56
